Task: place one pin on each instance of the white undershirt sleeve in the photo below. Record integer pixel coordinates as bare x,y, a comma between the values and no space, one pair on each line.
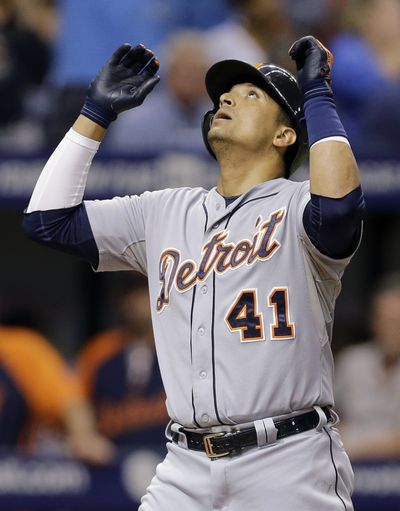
62,181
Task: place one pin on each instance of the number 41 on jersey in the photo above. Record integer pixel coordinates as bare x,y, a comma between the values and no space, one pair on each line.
245,317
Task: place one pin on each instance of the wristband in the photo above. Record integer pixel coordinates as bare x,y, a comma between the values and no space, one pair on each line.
97,114
320,111
322,119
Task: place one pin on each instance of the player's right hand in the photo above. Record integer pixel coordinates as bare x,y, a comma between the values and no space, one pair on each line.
123,83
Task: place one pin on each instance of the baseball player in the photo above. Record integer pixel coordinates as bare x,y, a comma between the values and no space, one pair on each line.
243,277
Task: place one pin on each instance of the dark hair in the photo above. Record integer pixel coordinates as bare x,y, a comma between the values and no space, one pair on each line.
388,282
236,3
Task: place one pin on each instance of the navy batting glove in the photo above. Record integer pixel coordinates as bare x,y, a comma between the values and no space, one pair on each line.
314,64
123,83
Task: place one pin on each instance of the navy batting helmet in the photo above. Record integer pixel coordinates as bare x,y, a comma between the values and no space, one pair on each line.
277,82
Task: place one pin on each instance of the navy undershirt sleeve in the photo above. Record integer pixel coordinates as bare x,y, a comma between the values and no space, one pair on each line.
66,229
334,225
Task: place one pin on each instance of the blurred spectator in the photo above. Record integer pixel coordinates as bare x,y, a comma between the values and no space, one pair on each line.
379,131
91,29
121,375
258,31
27,29
366,80
368,381
38,393
171,118
318,17
366,69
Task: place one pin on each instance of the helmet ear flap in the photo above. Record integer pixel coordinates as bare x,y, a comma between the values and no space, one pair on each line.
207,121
302,152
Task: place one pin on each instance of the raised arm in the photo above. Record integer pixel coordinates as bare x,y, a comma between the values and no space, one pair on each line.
333,217
56,215
333,169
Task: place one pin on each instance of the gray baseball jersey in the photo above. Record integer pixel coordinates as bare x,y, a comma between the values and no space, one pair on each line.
242,302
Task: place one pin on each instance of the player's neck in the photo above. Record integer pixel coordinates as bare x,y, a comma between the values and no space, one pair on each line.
237,177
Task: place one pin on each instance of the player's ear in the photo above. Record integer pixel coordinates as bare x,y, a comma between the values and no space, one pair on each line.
284,136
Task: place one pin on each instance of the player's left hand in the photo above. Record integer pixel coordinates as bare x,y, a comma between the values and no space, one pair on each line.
314,64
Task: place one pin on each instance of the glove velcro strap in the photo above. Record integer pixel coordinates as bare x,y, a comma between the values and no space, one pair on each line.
318,87
97,114
322,119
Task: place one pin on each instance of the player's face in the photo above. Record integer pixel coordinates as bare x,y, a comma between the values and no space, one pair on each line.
247,116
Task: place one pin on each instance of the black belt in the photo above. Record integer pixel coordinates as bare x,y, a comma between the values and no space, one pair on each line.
216,445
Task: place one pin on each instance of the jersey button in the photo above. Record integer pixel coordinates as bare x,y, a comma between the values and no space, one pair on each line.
215,226
203,374
201,330
218,205
204,289
205,418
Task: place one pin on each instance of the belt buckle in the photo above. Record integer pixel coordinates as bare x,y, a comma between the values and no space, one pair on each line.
209,448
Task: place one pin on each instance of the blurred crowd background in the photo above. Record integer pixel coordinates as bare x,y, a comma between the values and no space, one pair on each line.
84,339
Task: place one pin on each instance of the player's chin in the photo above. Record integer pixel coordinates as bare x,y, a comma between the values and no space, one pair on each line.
220,145
215,139
216,134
